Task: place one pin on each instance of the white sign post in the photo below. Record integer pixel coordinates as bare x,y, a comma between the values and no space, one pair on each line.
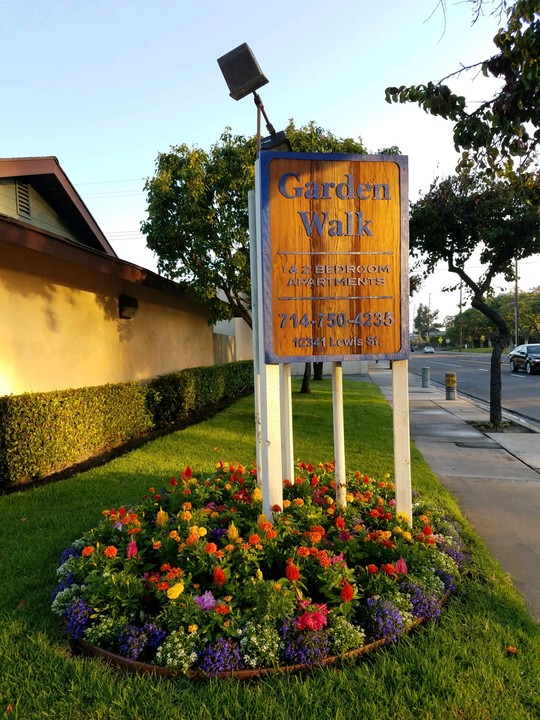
331,237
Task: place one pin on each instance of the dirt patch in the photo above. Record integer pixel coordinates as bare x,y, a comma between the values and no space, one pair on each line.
507,427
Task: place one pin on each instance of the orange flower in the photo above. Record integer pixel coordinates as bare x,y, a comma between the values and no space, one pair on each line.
211,548
110,551
302,551
388,568
163,586
87,551
219,576
372,569
292,573
298,501
347,593
324,560
222,609
254,539
271,534
340,523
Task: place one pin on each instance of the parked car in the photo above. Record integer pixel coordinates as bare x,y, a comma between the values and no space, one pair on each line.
429,349
525,357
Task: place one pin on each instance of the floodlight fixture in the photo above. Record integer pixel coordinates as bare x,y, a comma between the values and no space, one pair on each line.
243,76
241,71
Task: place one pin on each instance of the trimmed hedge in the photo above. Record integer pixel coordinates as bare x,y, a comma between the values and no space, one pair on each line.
45,433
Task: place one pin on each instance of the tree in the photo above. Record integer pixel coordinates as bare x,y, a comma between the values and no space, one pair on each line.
508,124
198,214
426,321
473,212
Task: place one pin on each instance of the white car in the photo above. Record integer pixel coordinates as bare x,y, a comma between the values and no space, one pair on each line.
429,349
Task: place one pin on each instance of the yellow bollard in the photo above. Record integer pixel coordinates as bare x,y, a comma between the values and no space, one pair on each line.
450,381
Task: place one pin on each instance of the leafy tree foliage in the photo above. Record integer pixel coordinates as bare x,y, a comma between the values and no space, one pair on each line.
469,212
507,124
198,214
426,322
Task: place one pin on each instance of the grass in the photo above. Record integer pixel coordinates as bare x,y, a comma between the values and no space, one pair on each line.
456,668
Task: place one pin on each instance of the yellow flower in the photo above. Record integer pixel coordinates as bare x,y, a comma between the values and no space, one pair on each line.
259,574
175,591
329,500
202,531
350,497
407,536
232,532
402,517
192,628
227,486
256,495
162,518
261,519
286,503
397,530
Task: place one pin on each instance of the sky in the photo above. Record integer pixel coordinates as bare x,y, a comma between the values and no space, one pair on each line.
105,86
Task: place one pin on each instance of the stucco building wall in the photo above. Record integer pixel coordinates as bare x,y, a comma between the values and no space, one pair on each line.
60,327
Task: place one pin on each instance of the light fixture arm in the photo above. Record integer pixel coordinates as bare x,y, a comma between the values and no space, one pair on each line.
260,109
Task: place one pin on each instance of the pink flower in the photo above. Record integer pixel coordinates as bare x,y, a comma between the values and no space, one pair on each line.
132,549
312,620
401,566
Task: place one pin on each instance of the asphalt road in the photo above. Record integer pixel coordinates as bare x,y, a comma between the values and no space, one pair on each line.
520,392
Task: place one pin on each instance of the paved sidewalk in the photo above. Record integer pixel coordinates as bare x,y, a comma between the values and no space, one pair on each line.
495,477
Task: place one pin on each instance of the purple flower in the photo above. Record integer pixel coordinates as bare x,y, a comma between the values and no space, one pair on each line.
135,641
425,604
206,601
382,619
77,618
222,656
132,642
67,553
303,647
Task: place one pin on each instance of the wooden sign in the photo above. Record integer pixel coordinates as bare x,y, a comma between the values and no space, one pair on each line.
334,237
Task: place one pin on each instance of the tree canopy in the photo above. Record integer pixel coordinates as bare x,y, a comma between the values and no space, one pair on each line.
473,212
508,124
198,213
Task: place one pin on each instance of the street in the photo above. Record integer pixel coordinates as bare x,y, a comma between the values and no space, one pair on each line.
520,392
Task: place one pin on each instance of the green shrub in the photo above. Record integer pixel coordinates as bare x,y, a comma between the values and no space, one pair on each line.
44,433
177,397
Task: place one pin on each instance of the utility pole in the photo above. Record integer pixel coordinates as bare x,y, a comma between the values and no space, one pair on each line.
516,304
460,315
429,318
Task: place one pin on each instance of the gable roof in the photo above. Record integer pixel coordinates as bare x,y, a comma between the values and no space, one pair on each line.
92,249
50,181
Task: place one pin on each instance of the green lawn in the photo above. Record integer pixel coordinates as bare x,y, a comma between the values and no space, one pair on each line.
458,667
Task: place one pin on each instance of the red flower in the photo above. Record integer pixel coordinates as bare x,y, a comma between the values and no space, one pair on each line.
219,576
372,569
173,481
292,572
347,593
340,523
187,473
427,530
388,568
87,551
211,548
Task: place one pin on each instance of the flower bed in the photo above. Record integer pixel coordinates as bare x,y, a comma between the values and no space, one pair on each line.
195,579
